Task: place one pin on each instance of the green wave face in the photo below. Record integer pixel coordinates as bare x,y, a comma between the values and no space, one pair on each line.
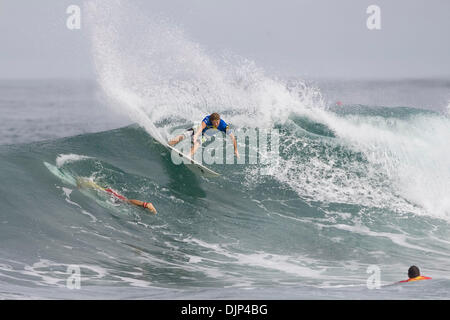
313,221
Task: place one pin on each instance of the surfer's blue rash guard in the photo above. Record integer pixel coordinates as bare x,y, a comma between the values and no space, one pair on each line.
221,127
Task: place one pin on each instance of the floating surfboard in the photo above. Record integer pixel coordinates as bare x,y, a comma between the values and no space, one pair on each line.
193,165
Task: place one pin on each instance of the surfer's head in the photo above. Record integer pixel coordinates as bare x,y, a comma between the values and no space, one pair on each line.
413,272
215,119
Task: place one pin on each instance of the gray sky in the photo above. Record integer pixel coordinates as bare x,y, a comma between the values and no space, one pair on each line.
304,38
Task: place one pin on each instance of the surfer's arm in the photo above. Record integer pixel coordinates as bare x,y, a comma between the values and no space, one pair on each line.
147,205
233,138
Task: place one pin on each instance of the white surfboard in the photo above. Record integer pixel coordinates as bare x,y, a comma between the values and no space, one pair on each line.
193,165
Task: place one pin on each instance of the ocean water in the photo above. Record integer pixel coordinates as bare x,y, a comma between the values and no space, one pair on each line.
370,189
361,183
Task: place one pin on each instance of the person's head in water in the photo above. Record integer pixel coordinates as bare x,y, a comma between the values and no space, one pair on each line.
215,119
413,272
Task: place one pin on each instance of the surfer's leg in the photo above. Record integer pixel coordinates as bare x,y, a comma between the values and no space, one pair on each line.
147,205
194,148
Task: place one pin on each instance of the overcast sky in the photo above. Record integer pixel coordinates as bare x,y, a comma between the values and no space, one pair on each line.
303,38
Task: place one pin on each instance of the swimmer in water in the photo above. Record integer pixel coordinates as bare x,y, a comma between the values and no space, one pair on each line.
414,275
87,183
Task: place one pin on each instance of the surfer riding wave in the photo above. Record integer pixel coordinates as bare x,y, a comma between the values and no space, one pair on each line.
210,125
